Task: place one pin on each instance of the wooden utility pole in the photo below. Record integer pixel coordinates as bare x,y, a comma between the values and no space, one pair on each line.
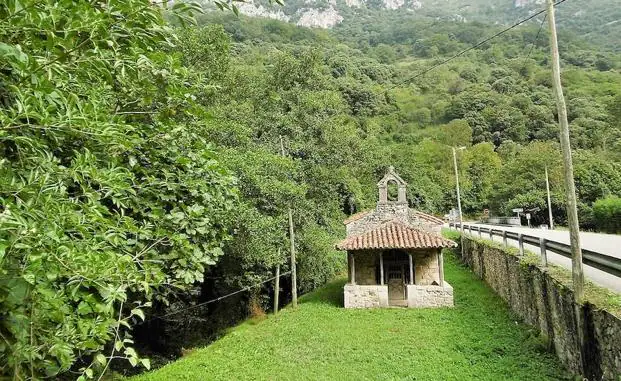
461,222
294,285
570,187
277,285
549,201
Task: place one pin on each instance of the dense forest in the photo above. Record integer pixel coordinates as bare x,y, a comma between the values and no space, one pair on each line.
142,170
599,23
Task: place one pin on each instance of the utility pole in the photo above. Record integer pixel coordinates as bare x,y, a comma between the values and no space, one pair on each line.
549,202
461,222
277,285
570,187
294,283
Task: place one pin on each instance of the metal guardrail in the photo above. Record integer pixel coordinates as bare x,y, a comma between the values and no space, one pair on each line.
513,221
600,261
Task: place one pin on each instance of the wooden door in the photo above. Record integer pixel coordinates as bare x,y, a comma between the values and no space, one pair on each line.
396,282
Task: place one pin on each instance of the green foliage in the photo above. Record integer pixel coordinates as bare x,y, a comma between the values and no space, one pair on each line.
110,197
139,159
607,213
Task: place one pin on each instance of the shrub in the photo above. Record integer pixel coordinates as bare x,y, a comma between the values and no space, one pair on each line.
607,214
109,196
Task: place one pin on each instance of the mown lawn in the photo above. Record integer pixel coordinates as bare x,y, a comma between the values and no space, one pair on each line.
479,339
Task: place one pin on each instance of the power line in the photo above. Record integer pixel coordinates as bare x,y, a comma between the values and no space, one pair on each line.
247,288
461,53
537,37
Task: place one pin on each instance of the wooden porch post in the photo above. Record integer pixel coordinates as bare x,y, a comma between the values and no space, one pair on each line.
352,268
381,268
411,268
441,267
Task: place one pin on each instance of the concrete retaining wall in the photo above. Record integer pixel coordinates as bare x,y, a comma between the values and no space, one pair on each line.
546,303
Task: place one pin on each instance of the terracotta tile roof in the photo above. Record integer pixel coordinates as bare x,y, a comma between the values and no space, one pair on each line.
357,216
395,235
427,217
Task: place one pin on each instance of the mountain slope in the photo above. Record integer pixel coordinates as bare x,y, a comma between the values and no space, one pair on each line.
600,21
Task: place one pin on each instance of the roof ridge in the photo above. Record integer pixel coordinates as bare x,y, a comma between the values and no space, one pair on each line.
357,216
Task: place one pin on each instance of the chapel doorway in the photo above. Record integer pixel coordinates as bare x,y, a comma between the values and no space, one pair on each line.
396,282
396,274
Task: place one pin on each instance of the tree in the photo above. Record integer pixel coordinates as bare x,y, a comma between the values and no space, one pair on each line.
524,174
457,133
481,166
108,193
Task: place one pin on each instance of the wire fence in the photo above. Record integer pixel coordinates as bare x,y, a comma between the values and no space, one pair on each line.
247,288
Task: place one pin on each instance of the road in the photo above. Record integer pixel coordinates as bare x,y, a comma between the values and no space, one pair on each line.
608,244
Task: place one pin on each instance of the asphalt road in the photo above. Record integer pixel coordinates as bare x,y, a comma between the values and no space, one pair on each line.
608,244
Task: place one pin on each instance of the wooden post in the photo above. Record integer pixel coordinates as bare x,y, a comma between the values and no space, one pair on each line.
381,268
411,268
544,254
277,286
570,187
549,201
441,267
461,221
294,285
352,269
521,243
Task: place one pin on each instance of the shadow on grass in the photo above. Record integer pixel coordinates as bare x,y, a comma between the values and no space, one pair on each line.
330,294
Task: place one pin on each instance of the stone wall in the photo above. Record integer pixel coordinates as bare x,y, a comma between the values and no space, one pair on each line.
426,269
388,212
430,296
359,296
382,213
365,266
545,303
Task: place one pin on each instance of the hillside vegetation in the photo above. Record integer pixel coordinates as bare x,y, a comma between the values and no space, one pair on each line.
142,171
599,23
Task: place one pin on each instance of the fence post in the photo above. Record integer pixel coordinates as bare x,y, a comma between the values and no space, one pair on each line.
469,229
491,234
544,254
521,243
479,229
276,287
504,238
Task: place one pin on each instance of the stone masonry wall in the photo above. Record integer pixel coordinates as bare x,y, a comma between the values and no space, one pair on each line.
389,212
365,265
546,303
426,269
382,213
430,296
358,296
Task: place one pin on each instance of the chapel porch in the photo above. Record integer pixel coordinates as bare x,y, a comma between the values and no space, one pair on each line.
396,278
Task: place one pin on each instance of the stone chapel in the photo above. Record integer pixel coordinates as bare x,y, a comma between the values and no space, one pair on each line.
394,254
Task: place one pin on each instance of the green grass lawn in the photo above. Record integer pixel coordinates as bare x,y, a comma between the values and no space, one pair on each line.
479,339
